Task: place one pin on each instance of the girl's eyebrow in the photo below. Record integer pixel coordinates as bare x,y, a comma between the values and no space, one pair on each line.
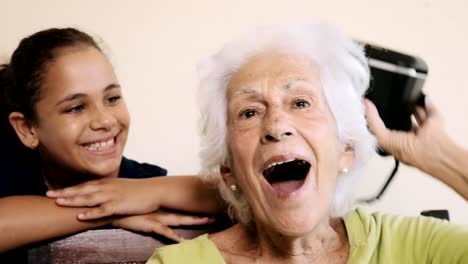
71,98
112,86
81,95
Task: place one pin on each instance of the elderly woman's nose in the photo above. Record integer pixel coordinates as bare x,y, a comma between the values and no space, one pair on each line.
275,138
276,128
102,119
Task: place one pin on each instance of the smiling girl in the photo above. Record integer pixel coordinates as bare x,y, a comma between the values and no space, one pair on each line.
64,121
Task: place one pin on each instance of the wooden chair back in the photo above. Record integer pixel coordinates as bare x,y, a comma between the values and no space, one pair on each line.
104,246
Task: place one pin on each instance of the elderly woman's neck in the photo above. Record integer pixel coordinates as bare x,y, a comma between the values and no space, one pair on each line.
327,243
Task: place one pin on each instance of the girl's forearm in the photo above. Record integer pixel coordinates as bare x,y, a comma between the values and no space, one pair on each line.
29,219
190,194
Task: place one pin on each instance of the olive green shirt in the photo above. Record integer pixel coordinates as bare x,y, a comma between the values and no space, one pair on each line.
373,238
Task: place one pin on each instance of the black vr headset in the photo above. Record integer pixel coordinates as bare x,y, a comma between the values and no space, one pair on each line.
396,85
395,89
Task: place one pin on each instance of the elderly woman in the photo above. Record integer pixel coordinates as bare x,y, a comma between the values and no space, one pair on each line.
285,137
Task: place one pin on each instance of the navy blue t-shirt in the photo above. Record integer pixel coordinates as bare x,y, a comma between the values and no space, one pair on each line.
16,178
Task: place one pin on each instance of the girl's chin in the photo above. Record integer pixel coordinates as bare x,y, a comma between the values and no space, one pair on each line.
109,170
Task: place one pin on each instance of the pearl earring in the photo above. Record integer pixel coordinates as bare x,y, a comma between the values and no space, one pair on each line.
234,188
344,170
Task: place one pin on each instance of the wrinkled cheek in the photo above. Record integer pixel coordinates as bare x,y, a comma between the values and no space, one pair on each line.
328,167
238,141
321,124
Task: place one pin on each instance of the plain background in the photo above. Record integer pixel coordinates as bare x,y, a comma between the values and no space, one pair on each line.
155,46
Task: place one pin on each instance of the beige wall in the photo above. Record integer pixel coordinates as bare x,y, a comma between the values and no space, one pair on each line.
156,44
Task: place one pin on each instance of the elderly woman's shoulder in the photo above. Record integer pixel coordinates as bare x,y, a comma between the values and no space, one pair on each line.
387,236
196,251
377,220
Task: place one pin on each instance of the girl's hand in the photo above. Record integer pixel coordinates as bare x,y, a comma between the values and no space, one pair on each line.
159,223
115,196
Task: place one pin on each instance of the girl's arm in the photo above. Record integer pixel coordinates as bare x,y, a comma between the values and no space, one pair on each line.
119,196
29,219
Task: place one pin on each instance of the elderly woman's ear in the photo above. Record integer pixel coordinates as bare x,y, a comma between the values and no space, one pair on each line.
347,158
228,178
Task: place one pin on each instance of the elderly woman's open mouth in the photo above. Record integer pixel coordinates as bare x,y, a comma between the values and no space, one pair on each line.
286,177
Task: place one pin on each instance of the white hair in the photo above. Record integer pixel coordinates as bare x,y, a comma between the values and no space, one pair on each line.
345,77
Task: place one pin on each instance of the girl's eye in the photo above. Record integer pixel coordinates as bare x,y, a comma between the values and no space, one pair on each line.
113,99
248,113
75,109
301,103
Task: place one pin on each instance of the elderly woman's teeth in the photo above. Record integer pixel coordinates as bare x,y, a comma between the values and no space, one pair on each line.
277,163
100,145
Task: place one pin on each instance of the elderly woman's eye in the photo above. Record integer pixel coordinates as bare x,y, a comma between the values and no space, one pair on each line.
248,113
301,104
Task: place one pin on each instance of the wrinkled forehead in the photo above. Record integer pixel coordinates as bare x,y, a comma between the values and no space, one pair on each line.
274,69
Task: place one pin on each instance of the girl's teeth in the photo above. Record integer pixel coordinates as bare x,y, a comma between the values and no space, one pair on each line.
101,145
